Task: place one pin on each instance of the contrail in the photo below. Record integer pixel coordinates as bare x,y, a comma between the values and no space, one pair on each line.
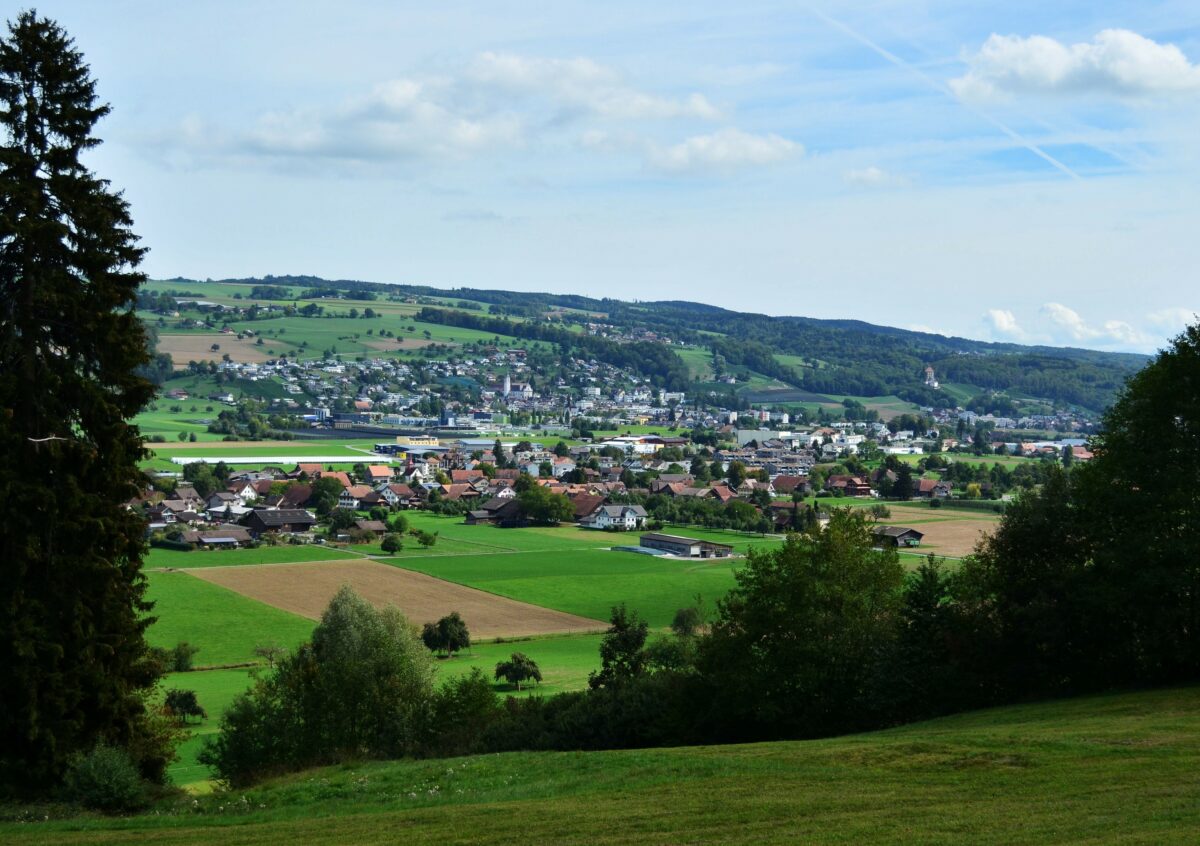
940,87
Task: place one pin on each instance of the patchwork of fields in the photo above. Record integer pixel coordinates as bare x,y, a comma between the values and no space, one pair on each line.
306,589
546,592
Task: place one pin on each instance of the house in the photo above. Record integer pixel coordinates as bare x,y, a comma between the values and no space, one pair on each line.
295,496
585,503
849,485
222,537
377,473
622,518
685,547
375,527
397,496
788,484
341,475
352,496
897,536
261,521
497,511
932,489
220,499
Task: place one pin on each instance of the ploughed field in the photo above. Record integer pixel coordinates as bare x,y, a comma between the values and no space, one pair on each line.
306,588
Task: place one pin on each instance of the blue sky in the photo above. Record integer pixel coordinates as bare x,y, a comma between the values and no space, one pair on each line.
1017,171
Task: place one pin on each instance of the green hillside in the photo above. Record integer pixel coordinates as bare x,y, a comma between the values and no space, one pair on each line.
1110,769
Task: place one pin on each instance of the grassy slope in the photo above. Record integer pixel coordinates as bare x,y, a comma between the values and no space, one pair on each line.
1113,769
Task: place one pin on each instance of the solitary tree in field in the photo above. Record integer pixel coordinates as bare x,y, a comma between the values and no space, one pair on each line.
74,664
183,704
518,668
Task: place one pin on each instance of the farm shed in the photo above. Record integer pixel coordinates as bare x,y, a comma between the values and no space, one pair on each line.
897,536
685,547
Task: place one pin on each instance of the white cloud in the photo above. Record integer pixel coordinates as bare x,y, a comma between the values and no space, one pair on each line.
401,118
1173,319
1070,325
581,84
725,149
1116,62
1003,322
497,101
874,177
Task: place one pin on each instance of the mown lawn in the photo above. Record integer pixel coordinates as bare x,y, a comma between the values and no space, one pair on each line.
215,690
585,581
565,662
1100,770
225,625
287,554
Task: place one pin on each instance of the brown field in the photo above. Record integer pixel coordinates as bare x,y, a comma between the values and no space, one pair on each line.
306,589
947,532
185,348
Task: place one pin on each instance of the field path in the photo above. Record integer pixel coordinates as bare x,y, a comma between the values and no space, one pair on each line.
306,589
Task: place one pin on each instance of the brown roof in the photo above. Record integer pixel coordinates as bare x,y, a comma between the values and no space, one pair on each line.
585,503
341,475
295,496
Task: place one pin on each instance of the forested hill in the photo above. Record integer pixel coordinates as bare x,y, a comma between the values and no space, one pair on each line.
839,357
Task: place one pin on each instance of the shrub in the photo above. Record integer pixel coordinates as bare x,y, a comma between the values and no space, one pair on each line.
363,687
180,658
105,779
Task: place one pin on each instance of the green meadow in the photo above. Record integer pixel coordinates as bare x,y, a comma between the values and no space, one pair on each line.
587,582
224,624
287,554
1098,770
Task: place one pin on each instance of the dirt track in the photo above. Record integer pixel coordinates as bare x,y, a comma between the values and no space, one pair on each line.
306,589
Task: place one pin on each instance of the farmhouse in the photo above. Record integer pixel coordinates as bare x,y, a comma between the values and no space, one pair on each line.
229,537
932,489
621,517
897,536
262,520
686,547
497,511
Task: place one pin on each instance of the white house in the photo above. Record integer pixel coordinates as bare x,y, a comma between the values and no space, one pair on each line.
621,517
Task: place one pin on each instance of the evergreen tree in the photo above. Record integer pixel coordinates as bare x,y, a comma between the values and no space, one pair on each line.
73,660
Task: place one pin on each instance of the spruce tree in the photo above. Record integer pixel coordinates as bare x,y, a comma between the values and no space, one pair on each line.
74,665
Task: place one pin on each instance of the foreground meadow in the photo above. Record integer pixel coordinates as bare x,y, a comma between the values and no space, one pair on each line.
1098,770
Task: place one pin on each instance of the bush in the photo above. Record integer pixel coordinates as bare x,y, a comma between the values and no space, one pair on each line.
105,779
179,659
362,688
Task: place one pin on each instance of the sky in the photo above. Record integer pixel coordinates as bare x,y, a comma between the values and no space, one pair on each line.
1018,171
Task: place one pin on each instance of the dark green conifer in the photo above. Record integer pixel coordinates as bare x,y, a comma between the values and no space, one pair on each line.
74,664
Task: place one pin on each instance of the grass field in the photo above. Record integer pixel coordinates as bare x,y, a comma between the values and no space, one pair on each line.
1098,770
306,589
225,625
215,690
588,582
160,558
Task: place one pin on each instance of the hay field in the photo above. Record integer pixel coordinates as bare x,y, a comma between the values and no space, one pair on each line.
185,348
306,589
947,532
